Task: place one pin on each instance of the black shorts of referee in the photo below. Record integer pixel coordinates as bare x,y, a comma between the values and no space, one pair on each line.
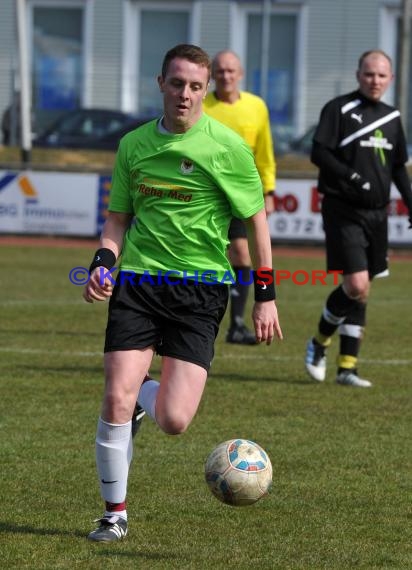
356,238
180,320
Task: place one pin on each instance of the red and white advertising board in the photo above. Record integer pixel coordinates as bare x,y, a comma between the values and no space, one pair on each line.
298,218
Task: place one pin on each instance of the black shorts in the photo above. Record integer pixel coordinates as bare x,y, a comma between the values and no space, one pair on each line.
356,239
237,229
179,320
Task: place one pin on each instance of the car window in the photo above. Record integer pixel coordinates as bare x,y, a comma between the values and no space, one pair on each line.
114,125
99,126
71,125
88,127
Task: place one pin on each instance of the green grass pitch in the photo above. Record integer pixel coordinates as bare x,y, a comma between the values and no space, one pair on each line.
342,484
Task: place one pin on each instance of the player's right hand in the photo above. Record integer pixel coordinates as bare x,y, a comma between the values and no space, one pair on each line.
95,290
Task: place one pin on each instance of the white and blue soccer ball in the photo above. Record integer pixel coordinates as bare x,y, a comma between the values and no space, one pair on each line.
238,472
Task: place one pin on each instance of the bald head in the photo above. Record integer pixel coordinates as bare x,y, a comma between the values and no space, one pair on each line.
227,72
373,53
374,74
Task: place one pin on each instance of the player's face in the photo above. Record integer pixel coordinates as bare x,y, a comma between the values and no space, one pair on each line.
183,88
374,76
227,72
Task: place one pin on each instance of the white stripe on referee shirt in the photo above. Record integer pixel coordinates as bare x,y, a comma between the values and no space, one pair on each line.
369,128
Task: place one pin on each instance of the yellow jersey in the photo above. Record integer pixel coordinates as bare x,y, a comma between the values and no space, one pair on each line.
249,117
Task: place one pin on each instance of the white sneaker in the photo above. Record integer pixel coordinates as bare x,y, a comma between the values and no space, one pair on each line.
351,378
315,361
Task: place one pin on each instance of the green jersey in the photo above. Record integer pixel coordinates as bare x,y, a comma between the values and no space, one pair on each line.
183,190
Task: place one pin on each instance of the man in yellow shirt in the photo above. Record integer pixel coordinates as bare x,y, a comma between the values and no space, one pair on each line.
247,114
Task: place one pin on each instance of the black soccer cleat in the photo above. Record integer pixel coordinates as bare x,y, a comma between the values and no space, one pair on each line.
139,412
137,418
240,334
110,529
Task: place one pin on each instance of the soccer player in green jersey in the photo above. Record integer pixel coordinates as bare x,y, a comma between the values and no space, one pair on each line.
177,183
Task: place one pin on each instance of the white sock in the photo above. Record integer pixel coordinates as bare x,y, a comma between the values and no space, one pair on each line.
122,514
147,397
113,456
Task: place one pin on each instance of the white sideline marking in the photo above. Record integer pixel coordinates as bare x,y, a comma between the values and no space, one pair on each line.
85,354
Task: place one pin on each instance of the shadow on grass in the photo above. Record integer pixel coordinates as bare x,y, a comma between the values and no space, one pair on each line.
103,549
6,527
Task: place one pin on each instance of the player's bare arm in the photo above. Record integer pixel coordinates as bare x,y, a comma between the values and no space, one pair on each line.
264,315
269,203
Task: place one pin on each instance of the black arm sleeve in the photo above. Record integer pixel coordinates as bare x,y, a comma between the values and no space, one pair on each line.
401,180
323,158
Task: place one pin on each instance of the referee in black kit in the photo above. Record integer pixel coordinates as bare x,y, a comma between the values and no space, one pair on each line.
360,148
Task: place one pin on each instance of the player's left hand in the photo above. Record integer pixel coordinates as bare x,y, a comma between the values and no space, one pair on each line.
266,321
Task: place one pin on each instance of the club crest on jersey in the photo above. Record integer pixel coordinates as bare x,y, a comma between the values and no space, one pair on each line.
186,166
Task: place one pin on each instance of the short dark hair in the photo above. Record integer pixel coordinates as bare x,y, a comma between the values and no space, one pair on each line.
370,52
192,53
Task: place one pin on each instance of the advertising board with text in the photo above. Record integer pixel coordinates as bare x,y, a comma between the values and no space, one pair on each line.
50,203
297,214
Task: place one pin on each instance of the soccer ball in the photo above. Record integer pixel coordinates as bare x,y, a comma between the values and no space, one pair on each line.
238,472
